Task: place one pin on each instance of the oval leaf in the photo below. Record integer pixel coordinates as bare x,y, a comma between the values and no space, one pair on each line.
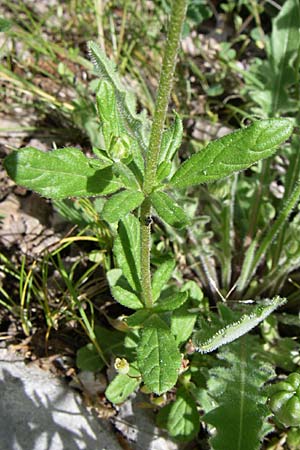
60,173
121,204
233,152
158,359
126,298
168,210
183,419
122,386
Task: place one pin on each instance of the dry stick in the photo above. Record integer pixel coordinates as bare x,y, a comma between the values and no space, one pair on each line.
161,106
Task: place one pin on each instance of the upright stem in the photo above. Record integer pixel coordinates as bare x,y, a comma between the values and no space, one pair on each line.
161,106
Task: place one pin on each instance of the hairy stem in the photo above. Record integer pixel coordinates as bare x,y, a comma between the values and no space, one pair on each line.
164,90
161,106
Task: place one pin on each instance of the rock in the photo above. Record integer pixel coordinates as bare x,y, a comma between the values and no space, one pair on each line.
39,412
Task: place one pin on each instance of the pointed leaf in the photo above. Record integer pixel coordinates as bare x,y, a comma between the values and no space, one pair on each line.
168,210
121,204
159,359
241,414
236,329
60,173
124,101
234,152
182,324
171,303
284,46
183,420
126,298
171,140
122,386
127,250
161,277
138,318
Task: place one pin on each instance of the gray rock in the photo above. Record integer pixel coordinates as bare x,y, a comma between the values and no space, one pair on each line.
39,412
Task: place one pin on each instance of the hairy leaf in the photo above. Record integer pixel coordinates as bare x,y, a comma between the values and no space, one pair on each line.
161,277
60,173
183,418
122,386
234,152
238,328
182,323
126,298
171,303
171,140
241,413
121,204
125,105
127,250
168,210
158,357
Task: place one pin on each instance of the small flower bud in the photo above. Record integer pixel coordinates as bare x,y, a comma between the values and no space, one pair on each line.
121,365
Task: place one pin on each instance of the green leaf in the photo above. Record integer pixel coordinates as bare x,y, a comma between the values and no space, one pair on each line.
106,105
183,420
182,324
5,24
163,171
284,48
121,204
171,303
127,250
126,298
236,329
124,101
159,359
87,358
161,277
138,318
171,140
234,152
241,413
60,173
122,386
126,175
168,210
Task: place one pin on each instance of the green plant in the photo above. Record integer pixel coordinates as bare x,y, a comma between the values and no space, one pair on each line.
285,400
135,166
